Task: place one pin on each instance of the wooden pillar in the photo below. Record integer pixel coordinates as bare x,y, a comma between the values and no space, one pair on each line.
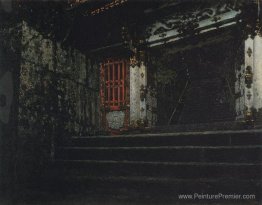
138,90
253,78
134,92
257,77
249,67
143,88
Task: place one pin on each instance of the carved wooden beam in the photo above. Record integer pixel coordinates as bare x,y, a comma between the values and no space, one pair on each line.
179,25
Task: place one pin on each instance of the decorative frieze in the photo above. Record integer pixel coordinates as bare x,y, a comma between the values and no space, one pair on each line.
199,19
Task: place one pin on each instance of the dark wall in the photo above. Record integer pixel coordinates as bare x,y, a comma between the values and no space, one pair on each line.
58,98
10,40
210,93
48,92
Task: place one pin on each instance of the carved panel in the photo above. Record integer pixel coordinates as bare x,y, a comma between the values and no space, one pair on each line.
197,14
189,21
115,119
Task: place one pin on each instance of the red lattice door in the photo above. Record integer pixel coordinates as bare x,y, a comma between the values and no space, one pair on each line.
114,94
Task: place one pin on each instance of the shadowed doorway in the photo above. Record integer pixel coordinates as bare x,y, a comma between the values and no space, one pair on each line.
203,89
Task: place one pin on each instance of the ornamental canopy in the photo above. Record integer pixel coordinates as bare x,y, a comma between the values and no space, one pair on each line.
94,25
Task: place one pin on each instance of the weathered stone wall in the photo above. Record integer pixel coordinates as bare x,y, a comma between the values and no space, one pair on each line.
202,88
151,105
58,94
63,77
9,69
240,83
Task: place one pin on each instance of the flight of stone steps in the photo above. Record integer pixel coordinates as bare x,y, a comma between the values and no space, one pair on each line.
163,164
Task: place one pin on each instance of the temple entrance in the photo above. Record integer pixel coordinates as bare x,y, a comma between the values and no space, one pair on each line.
114,95
203,89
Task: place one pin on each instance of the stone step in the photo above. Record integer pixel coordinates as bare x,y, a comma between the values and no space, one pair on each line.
152,187
248,154
165,164
180,170
205,138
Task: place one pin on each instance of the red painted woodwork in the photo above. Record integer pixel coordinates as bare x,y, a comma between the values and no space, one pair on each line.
113,88
114,91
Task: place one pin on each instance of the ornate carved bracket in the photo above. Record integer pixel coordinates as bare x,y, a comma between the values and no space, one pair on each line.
249,117
143,92
133,61
138,58
248,76
258,30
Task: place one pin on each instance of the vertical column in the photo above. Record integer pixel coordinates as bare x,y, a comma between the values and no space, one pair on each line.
249,66
134,92
143,89
138,90
257,76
